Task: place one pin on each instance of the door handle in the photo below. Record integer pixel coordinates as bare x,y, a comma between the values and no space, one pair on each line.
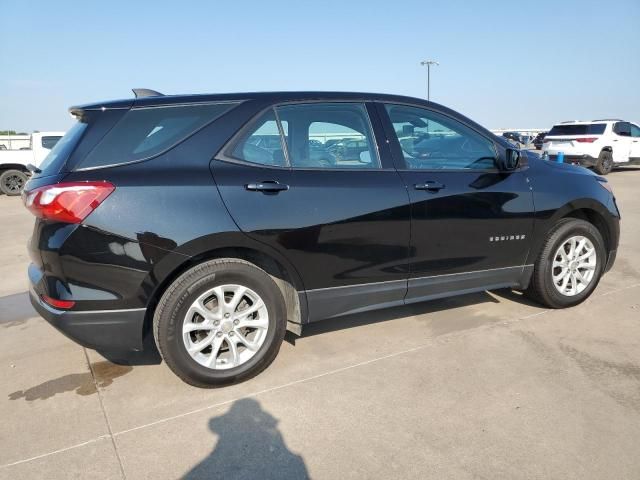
267,186
429,185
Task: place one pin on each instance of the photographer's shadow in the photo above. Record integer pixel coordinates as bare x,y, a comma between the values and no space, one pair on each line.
249,446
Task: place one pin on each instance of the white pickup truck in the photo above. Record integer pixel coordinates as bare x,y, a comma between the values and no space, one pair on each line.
13,163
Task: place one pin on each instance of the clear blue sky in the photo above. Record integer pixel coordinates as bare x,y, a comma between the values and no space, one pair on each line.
504,64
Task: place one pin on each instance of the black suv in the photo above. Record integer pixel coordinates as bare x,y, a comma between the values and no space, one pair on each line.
166,216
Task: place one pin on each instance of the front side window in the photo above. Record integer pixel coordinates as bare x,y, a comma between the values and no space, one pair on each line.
431,141
329,135
635,130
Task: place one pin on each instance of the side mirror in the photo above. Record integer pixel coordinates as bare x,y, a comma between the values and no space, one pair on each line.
365,157
511,159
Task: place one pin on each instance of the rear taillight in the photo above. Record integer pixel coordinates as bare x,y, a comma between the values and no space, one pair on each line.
61,304
586,140
69,202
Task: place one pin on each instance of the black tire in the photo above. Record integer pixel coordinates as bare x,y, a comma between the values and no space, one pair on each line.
541,287
171,311
12,182
604,163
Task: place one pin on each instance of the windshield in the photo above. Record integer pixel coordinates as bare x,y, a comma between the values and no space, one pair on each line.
59,154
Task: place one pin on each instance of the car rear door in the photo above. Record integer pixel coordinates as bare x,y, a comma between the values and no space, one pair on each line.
470,222
343,221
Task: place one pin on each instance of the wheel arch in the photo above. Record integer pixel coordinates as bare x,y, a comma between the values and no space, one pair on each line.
586,209
597,220
284,275
13,166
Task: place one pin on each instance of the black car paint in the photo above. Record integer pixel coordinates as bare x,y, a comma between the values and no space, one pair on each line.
344,246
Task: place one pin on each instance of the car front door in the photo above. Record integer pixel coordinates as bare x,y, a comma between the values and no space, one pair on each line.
621,142
470,221
342,220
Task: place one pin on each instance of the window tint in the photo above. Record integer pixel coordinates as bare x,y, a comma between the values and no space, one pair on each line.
329,135
145,132
584,129
432,141
623,129
262,143
635,130
49,142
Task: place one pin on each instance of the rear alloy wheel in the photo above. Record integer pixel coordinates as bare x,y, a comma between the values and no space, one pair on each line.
225,326
12,182
604,163
569,266
220,322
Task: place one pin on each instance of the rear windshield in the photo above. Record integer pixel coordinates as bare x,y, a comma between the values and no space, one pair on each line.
145,132
60,152
584,129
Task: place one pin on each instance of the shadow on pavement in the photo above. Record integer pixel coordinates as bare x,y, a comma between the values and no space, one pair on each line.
249,446
149,354
387,314
15,310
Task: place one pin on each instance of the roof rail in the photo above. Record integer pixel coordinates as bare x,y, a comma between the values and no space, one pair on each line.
146,92
572,121
608,120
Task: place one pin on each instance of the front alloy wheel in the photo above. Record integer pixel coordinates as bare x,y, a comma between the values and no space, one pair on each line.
574,265
570,264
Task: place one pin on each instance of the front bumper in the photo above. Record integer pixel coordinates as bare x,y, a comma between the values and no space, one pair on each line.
583,160
106,330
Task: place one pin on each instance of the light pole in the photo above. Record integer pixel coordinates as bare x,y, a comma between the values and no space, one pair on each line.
428,64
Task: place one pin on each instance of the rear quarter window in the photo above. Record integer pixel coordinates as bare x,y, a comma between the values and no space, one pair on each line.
60,152
143,133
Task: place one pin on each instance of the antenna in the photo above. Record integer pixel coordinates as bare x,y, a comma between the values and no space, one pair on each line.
146,92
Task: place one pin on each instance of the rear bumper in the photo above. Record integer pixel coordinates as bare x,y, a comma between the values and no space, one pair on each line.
110,330
584,160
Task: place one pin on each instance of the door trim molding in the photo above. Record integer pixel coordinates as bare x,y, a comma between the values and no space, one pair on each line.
329,302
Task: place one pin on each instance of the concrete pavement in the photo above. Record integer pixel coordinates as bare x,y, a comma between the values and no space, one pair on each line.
486,385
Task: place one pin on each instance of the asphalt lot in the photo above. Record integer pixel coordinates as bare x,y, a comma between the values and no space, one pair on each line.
486,385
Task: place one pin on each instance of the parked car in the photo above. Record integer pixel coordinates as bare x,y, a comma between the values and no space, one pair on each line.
170,222
13,163
600,144
538,140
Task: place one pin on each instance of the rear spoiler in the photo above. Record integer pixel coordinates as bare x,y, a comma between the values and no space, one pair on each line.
79,110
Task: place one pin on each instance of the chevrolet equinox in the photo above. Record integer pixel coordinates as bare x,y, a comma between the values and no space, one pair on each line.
215,223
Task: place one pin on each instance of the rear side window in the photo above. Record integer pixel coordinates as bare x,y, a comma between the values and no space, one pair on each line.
623,129
146,132
583,129
49,142
262,144
314,125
